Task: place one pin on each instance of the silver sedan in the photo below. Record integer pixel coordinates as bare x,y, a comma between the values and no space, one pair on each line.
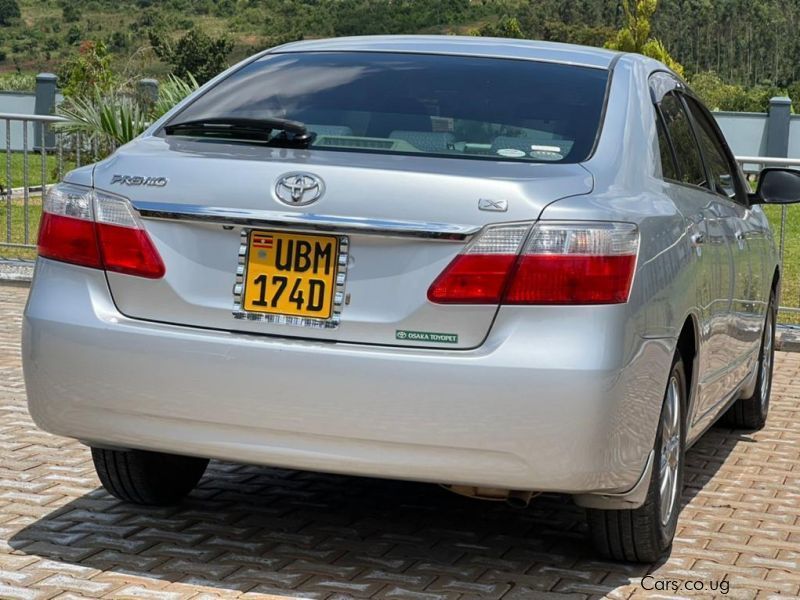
505,267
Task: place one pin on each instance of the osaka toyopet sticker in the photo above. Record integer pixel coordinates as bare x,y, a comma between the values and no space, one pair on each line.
426,336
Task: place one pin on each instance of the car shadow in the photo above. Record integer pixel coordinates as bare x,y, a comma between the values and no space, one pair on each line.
706,457
317,535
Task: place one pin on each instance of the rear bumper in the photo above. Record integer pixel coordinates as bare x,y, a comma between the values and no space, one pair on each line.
542,405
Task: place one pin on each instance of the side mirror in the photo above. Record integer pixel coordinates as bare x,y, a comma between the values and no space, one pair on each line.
777,186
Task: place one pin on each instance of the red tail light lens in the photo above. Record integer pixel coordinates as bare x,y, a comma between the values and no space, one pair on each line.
575,263
560,263
98,230
129,251
473,279
558,279
479,274
69,240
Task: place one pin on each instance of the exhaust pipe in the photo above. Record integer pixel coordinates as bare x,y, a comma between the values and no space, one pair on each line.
519,499
513,498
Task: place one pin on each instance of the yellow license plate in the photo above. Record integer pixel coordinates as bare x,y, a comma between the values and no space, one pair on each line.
290,274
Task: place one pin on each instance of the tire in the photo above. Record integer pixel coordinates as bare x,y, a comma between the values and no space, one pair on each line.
751,413
148,478
645,534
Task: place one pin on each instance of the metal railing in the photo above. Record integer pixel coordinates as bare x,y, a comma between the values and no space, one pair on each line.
25,183
752,165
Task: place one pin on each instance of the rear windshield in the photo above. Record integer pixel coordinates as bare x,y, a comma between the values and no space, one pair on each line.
434,105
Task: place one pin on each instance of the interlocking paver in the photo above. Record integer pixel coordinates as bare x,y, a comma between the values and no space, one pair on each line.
264,534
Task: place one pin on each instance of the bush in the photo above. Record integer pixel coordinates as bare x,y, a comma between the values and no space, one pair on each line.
171,92
719,95
9,10
119,41
17,82
196,53
74,35
71,13
116,117
224,8
149,19
504,28
89,73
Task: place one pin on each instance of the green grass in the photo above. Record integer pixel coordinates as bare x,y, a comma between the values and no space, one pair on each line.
14,220
34,169
17,225
790,295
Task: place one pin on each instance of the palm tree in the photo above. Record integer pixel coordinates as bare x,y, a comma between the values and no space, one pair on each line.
116,119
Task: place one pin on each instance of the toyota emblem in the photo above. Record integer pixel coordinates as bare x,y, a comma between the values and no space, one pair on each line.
299,189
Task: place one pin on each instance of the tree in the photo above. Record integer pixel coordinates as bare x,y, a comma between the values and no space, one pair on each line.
74,35
719,95
195,54
88,73
71,13
507,27
635,34
9,9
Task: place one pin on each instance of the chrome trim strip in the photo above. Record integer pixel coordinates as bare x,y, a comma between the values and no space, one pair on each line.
285,220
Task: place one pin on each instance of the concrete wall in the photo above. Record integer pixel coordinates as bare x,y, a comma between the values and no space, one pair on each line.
21,103
775,133
794,137
746,133
16,102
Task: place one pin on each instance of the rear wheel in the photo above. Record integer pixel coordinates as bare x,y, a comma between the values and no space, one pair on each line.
149,478
644,534
751,413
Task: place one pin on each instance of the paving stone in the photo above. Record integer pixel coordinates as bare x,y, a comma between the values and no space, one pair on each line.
269,534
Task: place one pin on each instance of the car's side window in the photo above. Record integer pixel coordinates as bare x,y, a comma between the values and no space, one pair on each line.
721,169
669,170
690,162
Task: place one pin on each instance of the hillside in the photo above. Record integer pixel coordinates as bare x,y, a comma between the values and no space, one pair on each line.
747,42
49,31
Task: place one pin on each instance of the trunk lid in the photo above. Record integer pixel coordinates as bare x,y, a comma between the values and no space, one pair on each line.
198,198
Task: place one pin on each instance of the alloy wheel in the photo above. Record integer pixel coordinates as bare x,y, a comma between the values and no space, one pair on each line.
670,450
766,362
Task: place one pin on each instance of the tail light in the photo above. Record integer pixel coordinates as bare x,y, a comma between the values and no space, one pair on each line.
554,263
95,229
479,274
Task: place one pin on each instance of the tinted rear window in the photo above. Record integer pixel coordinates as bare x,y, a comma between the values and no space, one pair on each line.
686,149
436,105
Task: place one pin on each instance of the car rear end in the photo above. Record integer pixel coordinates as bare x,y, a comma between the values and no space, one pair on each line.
384,297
